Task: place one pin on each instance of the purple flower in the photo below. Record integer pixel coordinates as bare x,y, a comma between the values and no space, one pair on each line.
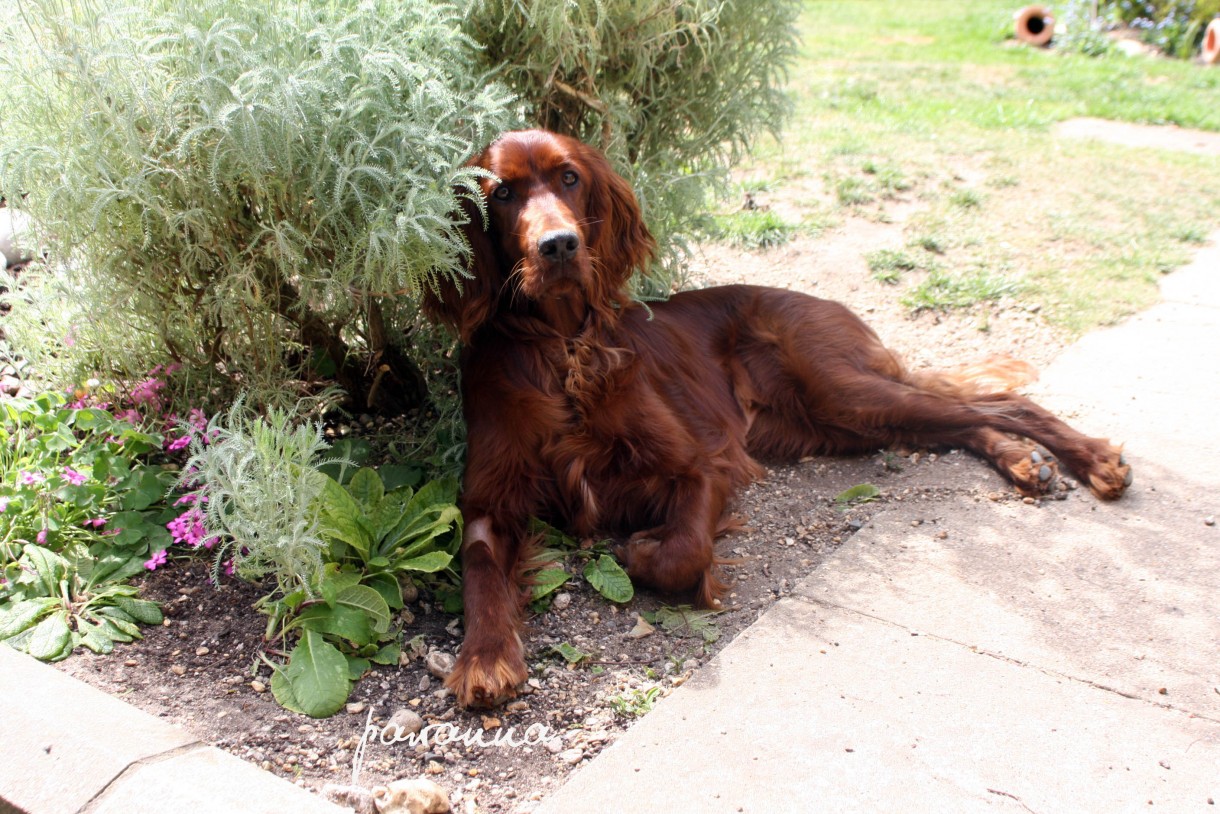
30,478
73,477
229,568
41,537
159,558
3,505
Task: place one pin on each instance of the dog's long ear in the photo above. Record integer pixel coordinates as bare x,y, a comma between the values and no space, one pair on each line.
622,242
466,302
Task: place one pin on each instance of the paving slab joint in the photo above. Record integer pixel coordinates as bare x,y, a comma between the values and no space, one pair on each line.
128,770
1007,659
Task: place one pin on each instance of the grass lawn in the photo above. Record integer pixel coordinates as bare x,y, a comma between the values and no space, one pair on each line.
931,109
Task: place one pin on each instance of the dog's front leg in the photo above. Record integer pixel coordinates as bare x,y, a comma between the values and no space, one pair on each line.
678,555
492,664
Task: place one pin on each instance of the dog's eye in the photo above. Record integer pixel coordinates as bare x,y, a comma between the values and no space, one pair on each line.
502,193
570,178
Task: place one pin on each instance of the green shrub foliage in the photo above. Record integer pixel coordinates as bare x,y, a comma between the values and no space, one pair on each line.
259,191
672,92
254,186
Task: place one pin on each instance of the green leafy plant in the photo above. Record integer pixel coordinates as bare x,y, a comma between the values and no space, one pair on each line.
50,604
338,553
686,622
635,703
75,479
600,569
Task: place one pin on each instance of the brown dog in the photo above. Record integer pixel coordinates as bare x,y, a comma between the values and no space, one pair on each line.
604,417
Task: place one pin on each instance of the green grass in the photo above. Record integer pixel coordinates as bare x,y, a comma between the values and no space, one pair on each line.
940,111
752,229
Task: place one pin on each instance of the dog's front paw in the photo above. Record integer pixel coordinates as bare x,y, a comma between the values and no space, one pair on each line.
485,677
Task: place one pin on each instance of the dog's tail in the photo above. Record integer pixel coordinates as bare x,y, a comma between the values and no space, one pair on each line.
998,374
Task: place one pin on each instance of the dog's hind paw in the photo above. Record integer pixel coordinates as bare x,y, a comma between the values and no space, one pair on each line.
1035,472
1109,477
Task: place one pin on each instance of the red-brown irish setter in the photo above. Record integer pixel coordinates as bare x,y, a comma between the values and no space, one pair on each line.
604,417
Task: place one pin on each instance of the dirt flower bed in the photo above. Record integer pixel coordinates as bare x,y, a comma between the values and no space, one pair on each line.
201,669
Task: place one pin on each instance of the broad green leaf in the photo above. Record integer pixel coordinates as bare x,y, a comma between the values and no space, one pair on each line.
548,580
568,653
388,513
141,610
860,493
94,637
51,639
366,600
389,588
18,616
49,569
395,476
281,688
357,667
388,654
113,566
426,563
685,621
318,675
609,579
344,518
366,487
334,581
340,622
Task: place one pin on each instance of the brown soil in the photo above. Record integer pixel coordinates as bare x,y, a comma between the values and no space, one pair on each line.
199,669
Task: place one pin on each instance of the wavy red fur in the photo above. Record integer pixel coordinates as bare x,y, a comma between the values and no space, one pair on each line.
603,417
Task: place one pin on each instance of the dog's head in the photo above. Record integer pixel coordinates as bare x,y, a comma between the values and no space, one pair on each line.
561,226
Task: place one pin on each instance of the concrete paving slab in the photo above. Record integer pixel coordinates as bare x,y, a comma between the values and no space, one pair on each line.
219,783
1115,595
63,742
66,747
820,709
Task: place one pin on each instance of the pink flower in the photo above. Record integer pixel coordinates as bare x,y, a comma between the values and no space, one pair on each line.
129,415
41,537
30,478
146,392
187,528
228,564
190,499
73,477
159,558
3,505
177,443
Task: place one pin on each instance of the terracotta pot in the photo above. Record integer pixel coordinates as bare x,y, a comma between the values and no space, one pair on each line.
1211,42
1035,25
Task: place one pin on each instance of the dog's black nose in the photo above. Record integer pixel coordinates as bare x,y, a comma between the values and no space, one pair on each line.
558,245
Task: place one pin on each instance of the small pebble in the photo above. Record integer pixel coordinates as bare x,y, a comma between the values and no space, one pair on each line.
440,663
1210,520
572,756
258,686
202,651
355,708
178,670
561,601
